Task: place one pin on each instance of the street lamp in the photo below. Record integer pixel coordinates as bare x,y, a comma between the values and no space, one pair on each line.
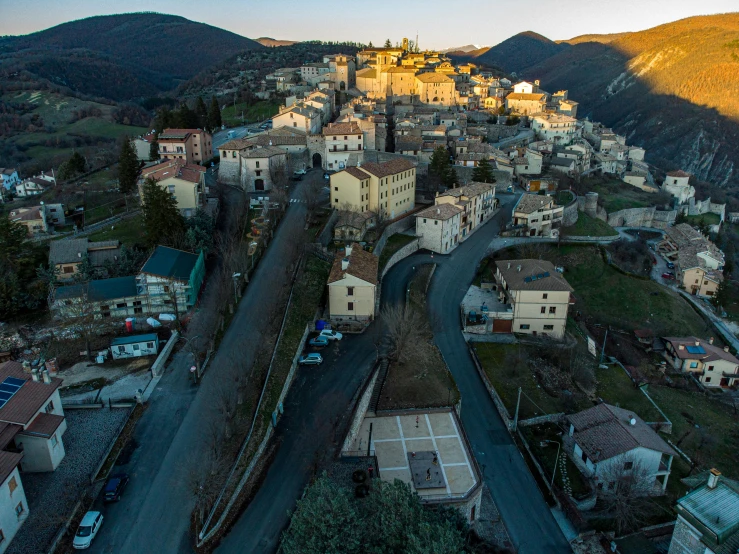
556,458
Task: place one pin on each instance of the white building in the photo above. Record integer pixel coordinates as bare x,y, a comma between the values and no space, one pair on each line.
300,116
677,183
344,145
610,443
558,128
134,346
438,228
258,167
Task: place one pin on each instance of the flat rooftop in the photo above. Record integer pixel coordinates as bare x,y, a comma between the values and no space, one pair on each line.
396,438
476,297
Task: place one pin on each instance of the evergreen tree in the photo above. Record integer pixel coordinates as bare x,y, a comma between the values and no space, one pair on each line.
721,298
74,166
154,148
450,178
483,173
128,167
202,112
186,118
388,44
163,223
164,119
439,161
370,45
214,115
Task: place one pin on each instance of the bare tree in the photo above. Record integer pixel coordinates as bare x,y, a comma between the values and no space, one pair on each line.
408,334
531,250
312,196
238,374
626,493
279,175
225,403
203,479
78,315
582,368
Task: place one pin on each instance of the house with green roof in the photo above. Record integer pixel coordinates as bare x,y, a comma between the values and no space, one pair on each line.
172,279
119,297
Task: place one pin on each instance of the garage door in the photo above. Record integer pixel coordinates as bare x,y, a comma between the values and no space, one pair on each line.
502,326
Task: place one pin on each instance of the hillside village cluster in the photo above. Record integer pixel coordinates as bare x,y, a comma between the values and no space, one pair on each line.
371,124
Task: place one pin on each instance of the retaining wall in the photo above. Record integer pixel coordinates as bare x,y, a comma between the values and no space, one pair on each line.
502,410
549,418
327,233
404,252
158,366
569,214
360,411
408,222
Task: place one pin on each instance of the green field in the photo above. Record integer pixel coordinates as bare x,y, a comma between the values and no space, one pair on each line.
394,243
259,111
129,231
616,195
708,219
587,226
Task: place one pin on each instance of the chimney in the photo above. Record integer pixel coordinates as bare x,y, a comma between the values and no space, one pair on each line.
348,251
45,374
680,347
697,343
509,265
713,478
518,268
79,254
710,341
34,374
726,348
344,264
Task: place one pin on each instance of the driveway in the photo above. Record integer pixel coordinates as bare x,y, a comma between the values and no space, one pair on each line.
154,514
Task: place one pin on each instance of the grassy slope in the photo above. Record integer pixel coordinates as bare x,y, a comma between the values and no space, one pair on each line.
587,226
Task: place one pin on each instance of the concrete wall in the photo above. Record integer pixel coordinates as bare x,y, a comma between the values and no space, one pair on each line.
404,252
361,411
158,365
408,222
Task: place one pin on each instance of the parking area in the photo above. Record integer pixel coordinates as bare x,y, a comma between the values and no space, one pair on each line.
52,496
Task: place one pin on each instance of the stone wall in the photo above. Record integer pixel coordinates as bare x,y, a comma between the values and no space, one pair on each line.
360,411
229,172
316,145
327,233
631,217
549,418
569,214
408,222
500,132
404,252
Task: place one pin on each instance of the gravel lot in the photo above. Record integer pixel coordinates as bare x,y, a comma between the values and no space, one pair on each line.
52,496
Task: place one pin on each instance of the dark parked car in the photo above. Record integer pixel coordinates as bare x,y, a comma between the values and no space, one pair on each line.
114,487
670,265
668,276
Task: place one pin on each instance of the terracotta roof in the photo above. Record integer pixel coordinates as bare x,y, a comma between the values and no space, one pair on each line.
362,265
440,211
30,214
8,431
524,96
354,219
605,431
532,275
237,144
678,173
529,203
356,172
280,140
346,128
384,169
433,78
8,462
44,425
29,399
264,152
174,168
703,350
177,134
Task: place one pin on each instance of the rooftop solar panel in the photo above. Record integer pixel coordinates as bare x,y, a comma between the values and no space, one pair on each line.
696,349
8,388
14,381
5,395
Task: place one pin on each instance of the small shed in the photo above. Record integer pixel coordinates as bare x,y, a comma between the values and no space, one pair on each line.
134,346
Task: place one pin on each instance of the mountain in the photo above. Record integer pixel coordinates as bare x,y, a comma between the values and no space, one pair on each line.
673,89
272,42
521,51
603,39
143,52
462,49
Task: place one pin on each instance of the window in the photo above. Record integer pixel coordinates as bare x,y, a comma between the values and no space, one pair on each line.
257,164
584,457
350,291
693,364
121,349
122,305
628,465
233,154
19,509
549,327
54,441
258,172
295,124
710,368
49,407
137,347
350,306
543,309
12,485
524,327
68,269
436,222
552,309
545,296
707,380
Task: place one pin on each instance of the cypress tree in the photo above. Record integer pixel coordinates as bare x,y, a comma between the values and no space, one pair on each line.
128,167
202,112
154,148
163,223
214,114
483,173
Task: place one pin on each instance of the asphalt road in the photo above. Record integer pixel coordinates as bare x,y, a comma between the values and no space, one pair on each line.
306,436
154,513
527,517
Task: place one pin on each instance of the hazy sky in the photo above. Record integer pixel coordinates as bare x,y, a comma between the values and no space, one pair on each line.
439,23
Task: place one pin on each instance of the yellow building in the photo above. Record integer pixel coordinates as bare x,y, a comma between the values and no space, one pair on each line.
436,88
352,285
191,145
387,188
186,182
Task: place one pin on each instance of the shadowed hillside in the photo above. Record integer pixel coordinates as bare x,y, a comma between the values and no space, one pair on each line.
673,89
521,51
148,51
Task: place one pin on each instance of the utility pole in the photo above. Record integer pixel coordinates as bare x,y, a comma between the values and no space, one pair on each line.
518,404
603,350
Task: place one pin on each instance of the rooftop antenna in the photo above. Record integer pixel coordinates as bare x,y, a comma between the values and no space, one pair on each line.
417,50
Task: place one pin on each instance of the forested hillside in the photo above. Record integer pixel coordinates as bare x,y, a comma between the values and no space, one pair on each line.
521,51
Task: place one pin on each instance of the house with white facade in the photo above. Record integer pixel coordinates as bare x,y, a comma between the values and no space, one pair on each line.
344,145
134,346
258,167
559,128
477,201
300,116
437,227
677,183
536,215
9,177
711,365
610,444
352,286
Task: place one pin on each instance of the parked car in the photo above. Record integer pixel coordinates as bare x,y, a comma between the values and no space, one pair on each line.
670,265
318,342
297,177
311,359
330,334
326,176
300,172
668,276
114,487
89,527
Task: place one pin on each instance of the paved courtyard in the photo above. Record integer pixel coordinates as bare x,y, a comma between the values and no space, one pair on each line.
395,440
52,496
